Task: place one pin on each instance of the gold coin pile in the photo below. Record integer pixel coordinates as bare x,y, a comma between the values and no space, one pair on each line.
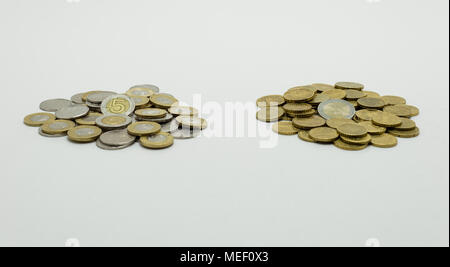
345,115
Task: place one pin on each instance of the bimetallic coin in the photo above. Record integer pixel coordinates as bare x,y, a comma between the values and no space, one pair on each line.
57,127
140,101
166,119
270,101
304,135
271,114
84,134
400,111
405,134
352,130
54,105
107,147
144,128
89,119
384,141
406,125
285,128
324,134
322,87
371,128
72,112
336,108
112,122
118,104
38,119
78,99
393,100
158,141
364,140
170,126
413,111
50,135
336,122
387,120
185,134
151,113
346,146
335,94
183,111
117,138
371,102
98,97
163,101
146,90
355,94
367,114
308,123
349,85
192,122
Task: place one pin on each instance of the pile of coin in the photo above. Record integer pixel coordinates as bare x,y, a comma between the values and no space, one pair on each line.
345,115
115,121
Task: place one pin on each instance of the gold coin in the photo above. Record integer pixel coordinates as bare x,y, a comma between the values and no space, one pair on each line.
367,114
183,111
308,123
349,85
319,98
304,135
324,134
140,91
286,118
285,128
352,130
364,140
143,128
353,102
335,94
371,128
346,146
355,94
393,100
57,127
272,114
304,87
163,100
371,102
38,119
384,141
305,114
413,111
405,134
84,134
406,125
385,119
372,94
151,113
89,119
140,101
336,122
322,87
157,141
299,95
192,122
270,101
400,111
297,107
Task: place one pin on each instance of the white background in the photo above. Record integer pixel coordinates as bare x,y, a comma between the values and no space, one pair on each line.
223,191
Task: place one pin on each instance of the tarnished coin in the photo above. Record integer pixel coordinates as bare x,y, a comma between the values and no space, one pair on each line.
336,122
185,133
308,123
183,111
166,119
38,119
413,111
304,135
406,125
270,101
285,128
297,107
118,104
384,140
78,99
89,119
322,87
371,128
367,114
335,94
144,128
364,140
272,114
54,105
146,90
57,127
163,101
393,100
170,126
50,135
72,112
385,119
352,130
355,94
140,101
98,97
319,98
151,113
349,85
371,102
84,134
107,147
405,134
299,95
192,122
324,134
336,108
158,141
85,95
117,138
400,111
372,94
346,146
113,122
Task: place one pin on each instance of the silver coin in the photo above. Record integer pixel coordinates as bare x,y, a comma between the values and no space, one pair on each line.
118,104
151,87
107,147
185,134
50,135
72,112
77,99
113,122
93,105
117,138
98,97
54,105
170,126
166,119
336,108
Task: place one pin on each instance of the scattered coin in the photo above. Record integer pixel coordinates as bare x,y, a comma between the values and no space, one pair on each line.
413,111
285,128
151,113
372,94
406,125
158,141
113,122
272,114
405,134
308,123
349,85
363,140
57,127
299,95
371,102
144,128
84,134
352,130
54,105
170,127
117,138
50,135
322,87
78,99
297,107
107,147
303,87
304,135
336,122
166,119
38,119
140,101
400,111
387,120
72,112
346,146
355,94
118,104
371,128
89,119
393,100
336,109
192,122
384,140
163,101
98,97
324,134
335,94
270,101
319,98
85,95
367,114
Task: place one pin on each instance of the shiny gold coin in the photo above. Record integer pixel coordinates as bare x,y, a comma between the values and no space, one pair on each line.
304,135
183,111
143,128
309,123
163,101
89,119
346,146
140,101
285,128
400,111
385,119
349,85
372,94
84,134
304,87
299,95
272,114
151,113
57,127
157,141
413,111
371,128
140,91
192,122
371,102
393,100
355,94
352,130
270,101
336,122
322,87
305,114
324,134
367,114
319,98
335,94
364,140
297,107
405,134
384,140
406,125
38,119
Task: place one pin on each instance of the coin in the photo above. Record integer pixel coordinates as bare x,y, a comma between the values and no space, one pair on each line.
385,119
349,85
303,87
107,147
93,106
336,122
299,95
158,141
297,107
371,128
117,138
400,111
98,97
305,114
406,125
185,133
118,104
384,140
322,87
166,119
405,134
38,119
89,119
270,101
319,98
335,94
183,111
323,134
112,122
170,127
413,111
393,100
272,114
371,102
192,122
367,114
54,105
285,128
308,123
140,101
85,95
163,101
143,128
78,99
151,113
364,140
72,112
355,94
84,134
346,146
50,135
57,127
336,108
304,135
372,94
146,90
352,130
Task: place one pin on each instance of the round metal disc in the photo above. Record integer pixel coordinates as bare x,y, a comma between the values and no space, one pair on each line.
107,147
54,105
117,138
72,112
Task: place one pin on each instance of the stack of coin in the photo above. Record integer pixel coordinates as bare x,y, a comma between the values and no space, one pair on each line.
345,115
115,121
